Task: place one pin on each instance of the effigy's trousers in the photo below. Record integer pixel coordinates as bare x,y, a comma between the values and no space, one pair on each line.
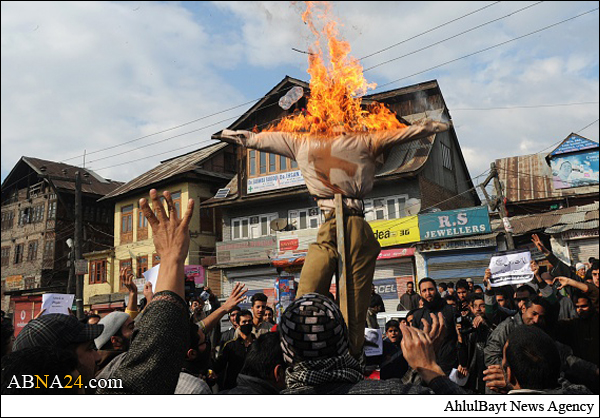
362,249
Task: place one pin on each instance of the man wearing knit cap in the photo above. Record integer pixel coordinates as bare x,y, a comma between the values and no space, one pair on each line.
116,337
314,340
64,332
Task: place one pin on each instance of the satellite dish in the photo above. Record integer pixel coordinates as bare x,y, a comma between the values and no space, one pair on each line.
279,224
413,206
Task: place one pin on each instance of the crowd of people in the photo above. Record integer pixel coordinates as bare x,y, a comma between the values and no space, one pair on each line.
457,338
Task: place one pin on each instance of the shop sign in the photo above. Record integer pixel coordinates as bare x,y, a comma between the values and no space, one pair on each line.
454,223
396,231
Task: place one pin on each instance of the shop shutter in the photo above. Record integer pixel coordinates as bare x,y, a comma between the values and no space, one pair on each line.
452,267
385,274
582,249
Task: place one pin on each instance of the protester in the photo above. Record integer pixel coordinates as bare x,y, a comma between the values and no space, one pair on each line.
581,333
53,370
450,289
263,372
374,308
442,289
269,316
471,284
393,364
410,299
232,357
322,364
67,333
258,307
462,293
433,304
376,299
195,365
156,355
229,334
472,333
115,338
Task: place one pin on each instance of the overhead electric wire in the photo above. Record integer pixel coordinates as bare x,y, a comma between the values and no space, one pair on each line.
428,31
489,48
452,37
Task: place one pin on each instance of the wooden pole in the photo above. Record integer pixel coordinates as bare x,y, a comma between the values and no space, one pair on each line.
340,288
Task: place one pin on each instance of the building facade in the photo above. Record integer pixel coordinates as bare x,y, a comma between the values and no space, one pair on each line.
38,218
197,175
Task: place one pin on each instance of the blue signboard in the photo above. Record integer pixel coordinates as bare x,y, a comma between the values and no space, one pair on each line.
454,223
573,144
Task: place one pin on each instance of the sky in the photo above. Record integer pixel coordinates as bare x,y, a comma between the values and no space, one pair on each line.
118,87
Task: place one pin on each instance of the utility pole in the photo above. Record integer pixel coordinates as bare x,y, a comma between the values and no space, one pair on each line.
78,244
498,203
75,282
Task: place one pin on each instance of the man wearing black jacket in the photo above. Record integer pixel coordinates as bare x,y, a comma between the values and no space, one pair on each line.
447,353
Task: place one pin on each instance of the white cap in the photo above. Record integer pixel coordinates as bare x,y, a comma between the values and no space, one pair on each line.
579,266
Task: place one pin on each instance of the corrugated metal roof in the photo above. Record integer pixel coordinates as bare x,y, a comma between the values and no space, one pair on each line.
529,177
593,224
575,217
170,168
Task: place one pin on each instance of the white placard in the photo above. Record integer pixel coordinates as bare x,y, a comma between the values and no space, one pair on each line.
511,268
57,303
373,336
151,276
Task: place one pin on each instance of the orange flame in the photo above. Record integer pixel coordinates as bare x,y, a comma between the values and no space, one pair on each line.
336,86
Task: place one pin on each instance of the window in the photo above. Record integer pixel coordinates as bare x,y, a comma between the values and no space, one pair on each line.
29,283
155,259
252,162
49,250
142,265
126,224
142,227
252,227
18,254
207,220
52,210
261,163
32,251
24,216
176,198
446,157
305,218
38,213
5,256
7,220
380,208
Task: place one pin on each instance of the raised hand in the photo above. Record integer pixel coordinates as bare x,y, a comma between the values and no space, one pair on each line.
171,237
126,276
148,292
237,296
419,353
495,379
538,244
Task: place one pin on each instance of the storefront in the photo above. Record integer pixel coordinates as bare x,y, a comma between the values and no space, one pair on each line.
394,269
461,258
248,262
582,244
25,309
457,244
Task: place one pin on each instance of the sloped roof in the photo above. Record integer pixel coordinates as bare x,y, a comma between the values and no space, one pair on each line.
553,222
170,168
94,184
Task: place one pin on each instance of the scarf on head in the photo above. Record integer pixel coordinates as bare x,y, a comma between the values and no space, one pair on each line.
338,369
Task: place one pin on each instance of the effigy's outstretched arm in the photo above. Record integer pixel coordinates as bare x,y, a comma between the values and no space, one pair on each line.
383,140
280,143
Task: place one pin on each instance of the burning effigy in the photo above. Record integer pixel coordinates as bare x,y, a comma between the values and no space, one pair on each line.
339,146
